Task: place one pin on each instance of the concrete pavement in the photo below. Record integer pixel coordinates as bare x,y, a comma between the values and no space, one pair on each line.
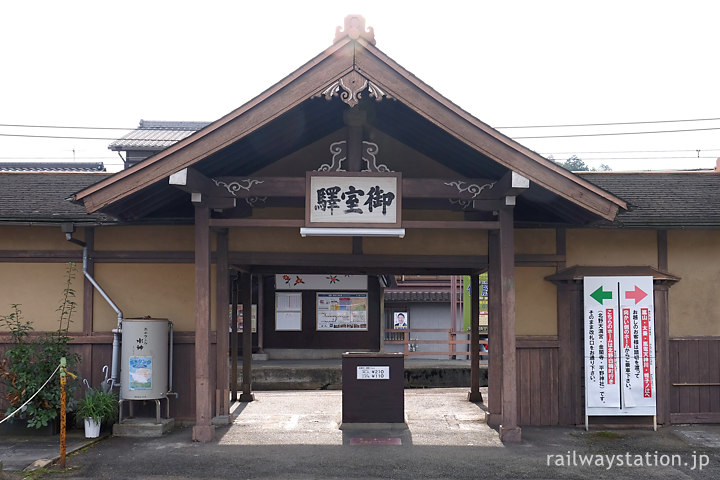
295,435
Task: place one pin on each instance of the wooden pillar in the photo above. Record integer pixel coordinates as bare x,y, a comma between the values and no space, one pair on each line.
494,415
662,334
246,294
475,395
88,288
234,342
509,429
260,315
453,312
222,282
662,352
203,431
571,355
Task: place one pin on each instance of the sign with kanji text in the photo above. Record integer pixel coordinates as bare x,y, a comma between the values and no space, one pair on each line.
619,346
353,199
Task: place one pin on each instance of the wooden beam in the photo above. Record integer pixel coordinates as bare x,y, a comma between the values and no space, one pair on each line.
474,395
494,414
88,288
222,290
192,181
426,102
509,429
234,341
203,431
297,87
246,294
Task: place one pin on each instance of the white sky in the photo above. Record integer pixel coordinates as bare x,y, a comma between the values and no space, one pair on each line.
509,63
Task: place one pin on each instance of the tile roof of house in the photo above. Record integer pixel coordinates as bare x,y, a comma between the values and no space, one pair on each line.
42,197
52,167
156,135
664,199
656,199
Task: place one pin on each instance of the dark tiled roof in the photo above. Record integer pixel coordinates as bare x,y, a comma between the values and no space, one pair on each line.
52,167
42,197
409,295
156,135
664,199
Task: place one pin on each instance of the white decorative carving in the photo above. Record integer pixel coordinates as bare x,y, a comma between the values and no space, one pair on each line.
368,155
464,204
234,187
353,84
474,189
253,201
337,149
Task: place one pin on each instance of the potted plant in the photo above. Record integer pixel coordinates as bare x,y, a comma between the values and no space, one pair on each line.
95,408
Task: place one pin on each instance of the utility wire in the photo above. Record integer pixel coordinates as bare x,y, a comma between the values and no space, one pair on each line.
636,151
615,133
64,126
16,125
614,123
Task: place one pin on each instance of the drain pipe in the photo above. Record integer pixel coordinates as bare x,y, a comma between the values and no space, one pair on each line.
117,331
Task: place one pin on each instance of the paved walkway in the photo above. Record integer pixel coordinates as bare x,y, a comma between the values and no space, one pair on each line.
295,435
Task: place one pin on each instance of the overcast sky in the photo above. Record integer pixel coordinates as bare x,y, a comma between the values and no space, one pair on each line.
509,63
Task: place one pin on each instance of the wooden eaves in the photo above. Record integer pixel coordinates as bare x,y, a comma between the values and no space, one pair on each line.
343,57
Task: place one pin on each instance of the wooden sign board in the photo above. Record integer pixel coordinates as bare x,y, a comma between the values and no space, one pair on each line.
345,199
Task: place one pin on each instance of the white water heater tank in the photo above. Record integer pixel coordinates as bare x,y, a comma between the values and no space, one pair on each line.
144,363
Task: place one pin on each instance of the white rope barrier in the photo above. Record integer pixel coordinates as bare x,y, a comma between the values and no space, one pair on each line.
19,409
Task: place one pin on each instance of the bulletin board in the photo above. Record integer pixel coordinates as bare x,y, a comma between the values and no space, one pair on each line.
288,311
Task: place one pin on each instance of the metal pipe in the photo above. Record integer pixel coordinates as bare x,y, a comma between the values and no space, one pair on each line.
117,331
170,363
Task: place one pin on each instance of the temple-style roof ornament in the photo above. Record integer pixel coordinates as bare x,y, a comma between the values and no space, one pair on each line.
355,28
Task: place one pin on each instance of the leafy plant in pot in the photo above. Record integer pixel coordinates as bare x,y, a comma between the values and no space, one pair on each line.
95,408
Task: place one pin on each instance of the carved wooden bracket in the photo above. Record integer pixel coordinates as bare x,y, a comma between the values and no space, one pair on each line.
350,88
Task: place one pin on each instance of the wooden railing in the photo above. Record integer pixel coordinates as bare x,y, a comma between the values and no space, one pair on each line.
403,336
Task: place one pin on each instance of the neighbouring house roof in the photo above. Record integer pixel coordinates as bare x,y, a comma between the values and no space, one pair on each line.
42,198
664,199
404,294
52,167
309,105
154,135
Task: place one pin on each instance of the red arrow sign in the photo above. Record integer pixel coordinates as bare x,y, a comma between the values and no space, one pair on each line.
636,295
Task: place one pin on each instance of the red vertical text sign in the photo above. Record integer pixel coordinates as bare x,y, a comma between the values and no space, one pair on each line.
645,338
610,343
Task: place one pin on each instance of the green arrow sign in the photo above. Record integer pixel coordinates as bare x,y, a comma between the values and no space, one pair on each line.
601,295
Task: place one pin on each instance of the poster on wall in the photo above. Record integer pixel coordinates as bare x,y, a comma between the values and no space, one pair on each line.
240,317
342,311
401,320
288,311
619,346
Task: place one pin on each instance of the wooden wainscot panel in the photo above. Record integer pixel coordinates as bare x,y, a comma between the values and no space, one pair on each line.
695,380
537,380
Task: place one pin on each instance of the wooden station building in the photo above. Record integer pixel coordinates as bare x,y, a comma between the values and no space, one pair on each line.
352,166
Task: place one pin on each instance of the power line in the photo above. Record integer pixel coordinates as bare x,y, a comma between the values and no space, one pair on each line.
614,123
615,133
563,125
16,125
635,151
76,138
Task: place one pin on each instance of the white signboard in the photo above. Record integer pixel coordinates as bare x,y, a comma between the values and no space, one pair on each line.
288,311
295,281
619,346
353,199
342,311
373,373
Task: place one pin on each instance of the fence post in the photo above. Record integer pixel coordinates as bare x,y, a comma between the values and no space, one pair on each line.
406,338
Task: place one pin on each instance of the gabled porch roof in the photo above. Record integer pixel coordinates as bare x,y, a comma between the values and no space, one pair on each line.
294,113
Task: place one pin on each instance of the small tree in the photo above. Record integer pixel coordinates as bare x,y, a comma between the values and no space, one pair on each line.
575,164
31,361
